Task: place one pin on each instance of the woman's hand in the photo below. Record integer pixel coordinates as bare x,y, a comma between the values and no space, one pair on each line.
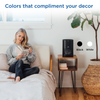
30,50
19,57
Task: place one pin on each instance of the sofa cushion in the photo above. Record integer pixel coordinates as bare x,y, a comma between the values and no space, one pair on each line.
36,63
44,55
42,51
3,62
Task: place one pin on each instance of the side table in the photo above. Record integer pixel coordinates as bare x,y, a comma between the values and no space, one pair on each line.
70,68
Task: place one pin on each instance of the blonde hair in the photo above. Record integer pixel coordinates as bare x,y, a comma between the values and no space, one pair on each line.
25,40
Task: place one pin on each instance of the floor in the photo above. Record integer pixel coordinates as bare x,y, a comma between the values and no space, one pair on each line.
68,94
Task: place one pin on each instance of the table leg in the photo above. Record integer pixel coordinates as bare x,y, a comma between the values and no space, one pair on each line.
73,81
59,84
62,78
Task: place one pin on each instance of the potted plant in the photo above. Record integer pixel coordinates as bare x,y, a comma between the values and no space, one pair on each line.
91,77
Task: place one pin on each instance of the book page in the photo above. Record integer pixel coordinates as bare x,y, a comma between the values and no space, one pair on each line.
24,52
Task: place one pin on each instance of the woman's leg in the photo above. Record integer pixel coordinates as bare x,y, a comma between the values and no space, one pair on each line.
12,67
30,71
17,68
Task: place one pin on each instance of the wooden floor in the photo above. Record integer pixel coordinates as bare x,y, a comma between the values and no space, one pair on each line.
68,94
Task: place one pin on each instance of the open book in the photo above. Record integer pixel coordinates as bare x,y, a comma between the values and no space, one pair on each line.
23,52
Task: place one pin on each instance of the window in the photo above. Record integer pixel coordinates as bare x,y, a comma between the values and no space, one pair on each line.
26,18
31,15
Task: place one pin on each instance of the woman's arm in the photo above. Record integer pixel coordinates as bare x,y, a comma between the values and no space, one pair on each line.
31,56
10,57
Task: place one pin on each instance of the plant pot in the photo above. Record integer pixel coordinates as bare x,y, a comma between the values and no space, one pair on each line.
91,78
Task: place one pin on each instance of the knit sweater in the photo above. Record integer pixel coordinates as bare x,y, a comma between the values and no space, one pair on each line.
12,52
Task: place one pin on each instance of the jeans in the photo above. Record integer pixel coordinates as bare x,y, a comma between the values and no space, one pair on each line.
22,70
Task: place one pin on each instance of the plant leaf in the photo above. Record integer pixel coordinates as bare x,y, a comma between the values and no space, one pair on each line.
82,24
71,16
90,22
75,16
76,22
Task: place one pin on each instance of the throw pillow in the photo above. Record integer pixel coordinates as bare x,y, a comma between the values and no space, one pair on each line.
3,62
36,63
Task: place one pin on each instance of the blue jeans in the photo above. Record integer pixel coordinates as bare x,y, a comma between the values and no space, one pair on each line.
22,70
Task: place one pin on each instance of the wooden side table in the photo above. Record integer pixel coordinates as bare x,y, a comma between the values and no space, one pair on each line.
70,68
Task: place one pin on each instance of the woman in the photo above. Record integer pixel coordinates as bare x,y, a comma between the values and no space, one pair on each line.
19,64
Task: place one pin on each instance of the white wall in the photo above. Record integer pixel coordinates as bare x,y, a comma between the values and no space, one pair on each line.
61,29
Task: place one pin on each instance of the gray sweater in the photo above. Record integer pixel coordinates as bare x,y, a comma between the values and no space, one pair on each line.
12,53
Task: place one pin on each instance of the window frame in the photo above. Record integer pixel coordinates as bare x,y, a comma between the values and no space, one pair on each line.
27,25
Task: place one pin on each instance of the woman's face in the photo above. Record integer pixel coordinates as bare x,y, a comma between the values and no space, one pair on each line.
20,37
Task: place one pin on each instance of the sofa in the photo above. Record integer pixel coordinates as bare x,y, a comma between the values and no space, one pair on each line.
39,86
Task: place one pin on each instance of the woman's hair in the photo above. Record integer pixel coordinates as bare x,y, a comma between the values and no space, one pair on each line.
25,40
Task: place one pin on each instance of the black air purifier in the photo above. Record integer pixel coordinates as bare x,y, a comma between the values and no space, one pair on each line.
67,49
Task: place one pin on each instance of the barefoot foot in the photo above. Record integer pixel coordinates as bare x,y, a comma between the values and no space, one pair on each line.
10,77
17,79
